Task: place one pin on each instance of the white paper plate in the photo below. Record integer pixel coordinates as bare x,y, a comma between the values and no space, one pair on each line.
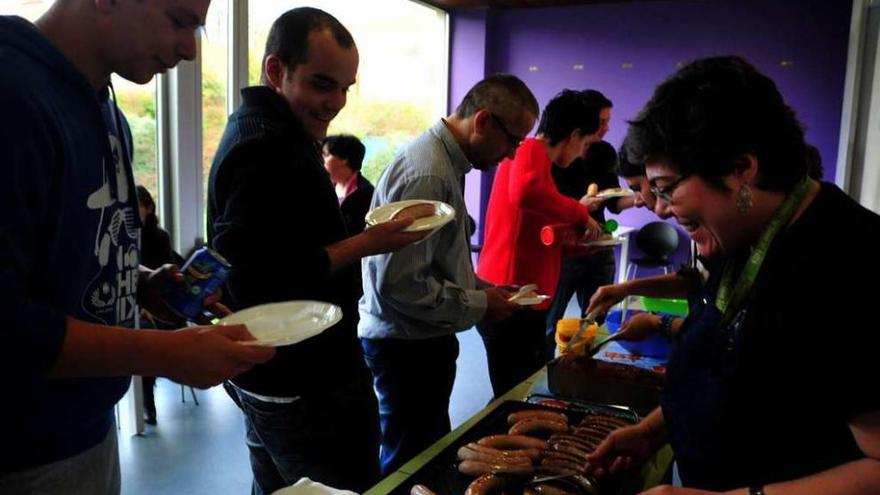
531,301
614,193
443,214
286,323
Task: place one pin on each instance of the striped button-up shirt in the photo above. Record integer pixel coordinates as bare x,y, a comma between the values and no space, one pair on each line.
426,289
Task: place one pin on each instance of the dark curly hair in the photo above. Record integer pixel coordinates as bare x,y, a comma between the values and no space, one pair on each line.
712,112
567,111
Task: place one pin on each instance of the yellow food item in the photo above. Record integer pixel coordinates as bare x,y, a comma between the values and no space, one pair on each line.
566,328
593,189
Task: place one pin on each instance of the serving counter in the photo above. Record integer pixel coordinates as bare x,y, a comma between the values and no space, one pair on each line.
651,475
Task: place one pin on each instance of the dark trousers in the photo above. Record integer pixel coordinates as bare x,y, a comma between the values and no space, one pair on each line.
514,348
413,380
148,384
331,436
581,275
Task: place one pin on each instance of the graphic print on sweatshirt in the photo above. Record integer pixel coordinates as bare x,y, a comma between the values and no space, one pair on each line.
111,294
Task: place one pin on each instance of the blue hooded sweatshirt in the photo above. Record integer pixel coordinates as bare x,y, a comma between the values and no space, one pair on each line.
68,245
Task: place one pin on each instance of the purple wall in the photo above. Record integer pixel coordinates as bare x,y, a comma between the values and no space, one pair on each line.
626,49
467,52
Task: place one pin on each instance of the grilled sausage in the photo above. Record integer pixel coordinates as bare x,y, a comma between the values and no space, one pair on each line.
511,442
416,211
487,484
532,454
577,467
586,443
564,456
478,468
538,427
420,490
554,416
466,453
569,448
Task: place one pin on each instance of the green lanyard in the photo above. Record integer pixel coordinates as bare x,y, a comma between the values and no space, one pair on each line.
729,302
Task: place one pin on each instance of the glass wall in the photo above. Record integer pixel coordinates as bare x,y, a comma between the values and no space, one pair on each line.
215,67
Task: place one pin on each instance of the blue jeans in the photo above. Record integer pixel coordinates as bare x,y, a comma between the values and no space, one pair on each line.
581,275
413,380
330,437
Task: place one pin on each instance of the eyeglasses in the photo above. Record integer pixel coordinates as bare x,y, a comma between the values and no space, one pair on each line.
515,140
666,193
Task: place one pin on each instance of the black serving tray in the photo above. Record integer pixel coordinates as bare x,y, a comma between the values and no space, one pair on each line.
441,474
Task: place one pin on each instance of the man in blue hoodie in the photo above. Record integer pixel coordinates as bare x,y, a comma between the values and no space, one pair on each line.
70,280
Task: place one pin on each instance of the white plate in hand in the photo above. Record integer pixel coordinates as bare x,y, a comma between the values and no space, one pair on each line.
531,301
443,214
614,193
285,323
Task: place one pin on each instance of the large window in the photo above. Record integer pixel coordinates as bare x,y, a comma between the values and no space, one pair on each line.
215,53
401,86
138,103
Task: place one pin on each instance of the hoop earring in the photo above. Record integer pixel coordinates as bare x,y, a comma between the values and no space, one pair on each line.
744,199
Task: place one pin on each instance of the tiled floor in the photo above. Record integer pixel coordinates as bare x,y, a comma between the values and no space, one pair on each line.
200,450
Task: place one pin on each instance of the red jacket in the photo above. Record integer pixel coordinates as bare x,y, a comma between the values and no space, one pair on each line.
524,199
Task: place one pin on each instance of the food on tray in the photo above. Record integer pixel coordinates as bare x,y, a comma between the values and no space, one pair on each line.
421,490
488,484
538,427
518,416
588,367
511,442
471,451
479,468
416,211
541,442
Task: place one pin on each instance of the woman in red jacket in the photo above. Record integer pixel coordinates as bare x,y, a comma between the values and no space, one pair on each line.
524,198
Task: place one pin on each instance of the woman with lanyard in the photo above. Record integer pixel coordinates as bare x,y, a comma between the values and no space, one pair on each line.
771,387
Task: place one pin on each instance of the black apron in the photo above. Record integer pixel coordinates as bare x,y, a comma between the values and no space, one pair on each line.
695,401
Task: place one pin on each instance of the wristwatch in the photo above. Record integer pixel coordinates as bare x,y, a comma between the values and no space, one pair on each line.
756,490
664,328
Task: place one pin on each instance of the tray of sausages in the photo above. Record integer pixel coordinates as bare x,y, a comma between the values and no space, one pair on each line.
522,448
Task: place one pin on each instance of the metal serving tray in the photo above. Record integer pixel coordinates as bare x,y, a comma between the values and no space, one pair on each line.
441,474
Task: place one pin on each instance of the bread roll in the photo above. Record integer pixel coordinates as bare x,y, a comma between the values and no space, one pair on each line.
416,211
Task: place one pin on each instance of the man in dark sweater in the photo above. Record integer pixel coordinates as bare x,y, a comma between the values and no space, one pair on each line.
70,281
273,213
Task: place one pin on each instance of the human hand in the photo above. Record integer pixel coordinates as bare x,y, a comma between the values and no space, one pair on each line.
639,327
206,356
605,297
592,203
497,305
622,450
151,297
592,232
390,236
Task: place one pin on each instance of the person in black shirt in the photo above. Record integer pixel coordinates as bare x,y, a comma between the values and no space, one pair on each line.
582,275
763,392
272,212
343,158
